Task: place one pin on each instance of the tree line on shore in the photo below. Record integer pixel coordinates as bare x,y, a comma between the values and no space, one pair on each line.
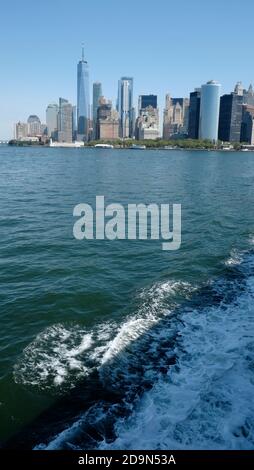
127,143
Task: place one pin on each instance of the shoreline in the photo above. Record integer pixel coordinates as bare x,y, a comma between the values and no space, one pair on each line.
85,147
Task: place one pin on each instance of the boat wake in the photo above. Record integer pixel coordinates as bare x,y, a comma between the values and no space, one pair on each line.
179,373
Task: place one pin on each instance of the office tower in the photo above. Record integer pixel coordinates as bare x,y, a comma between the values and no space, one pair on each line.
133,121
97,94
125,107
34,126
209,111
64,121
83,99
175,117
147,124
231,112
51,120
107,121
74,123
21,131
44,130
248,96
239,90
185,128
194,114
147,100
247,131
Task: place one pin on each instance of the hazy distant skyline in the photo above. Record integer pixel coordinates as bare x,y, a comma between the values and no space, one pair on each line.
166,47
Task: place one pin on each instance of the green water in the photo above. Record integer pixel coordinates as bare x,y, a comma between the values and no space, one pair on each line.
48,278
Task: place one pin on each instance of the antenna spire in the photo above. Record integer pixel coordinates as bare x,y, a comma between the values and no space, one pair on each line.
83,52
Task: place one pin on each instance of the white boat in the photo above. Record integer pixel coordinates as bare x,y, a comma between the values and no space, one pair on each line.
137,147
104,146
76,145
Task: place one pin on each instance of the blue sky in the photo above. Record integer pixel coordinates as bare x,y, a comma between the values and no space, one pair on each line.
167,46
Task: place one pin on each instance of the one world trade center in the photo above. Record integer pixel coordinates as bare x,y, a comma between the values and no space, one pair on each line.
83,99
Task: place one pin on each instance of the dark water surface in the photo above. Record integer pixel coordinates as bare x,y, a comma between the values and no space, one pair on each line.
161,341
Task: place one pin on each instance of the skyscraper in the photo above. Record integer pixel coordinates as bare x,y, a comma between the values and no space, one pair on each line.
247,131
83,98
147,100
107,121
125,107
209,111
74,123
175,117
64,121
51,119
231,113
21,130
97,93
248,96
239,90
194,114
147,124
34,126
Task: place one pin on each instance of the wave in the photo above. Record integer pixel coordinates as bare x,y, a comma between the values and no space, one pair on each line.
61,356
179,373
205,399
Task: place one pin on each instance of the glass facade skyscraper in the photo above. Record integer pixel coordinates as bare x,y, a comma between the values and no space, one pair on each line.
83,99
65,131
147,100
125,107
51,120
231,112
209,111
194,114
97,93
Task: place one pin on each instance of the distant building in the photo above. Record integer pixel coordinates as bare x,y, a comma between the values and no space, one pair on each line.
209,111
83,99
147,124
34,126
248,96
239,90
51,120
194,114
125,107
97,94
185,128
247,131
74,123
64,121
147,100
175,119
107,121
44,131
21,130
231,111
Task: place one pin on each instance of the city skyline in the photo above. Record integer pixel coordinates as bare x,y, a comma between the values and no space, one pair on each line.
203,115
125,98
37,72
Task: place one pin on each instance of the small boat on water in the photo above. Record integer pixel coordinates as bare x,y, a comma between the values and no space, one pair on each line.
137,147
104,146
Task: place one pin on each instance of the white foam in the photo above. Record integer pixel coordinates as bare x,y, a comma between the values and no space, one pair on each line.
54,358
205,401
152,309
235,259
111,340
251,240
58,356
